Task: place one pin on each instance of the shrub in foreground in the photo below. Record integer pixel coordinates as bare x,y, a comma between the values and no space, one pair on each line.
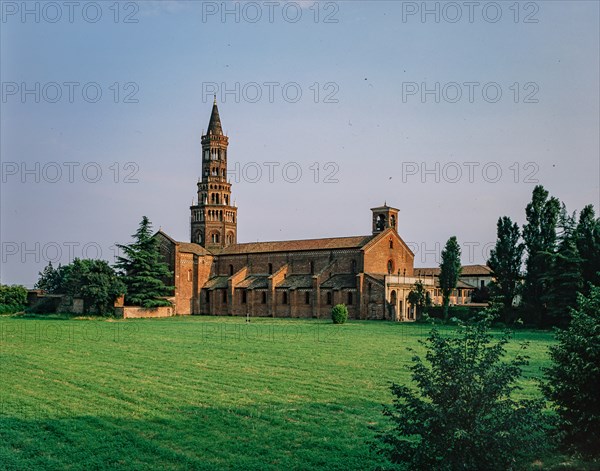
461,414
12,298
339,314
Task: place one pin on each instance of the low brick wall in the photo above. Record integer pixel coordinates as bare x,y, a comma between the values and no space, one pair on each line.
135,312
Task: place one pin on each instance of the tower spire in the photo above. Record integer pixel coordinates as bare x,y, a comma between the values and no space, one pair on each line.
214,125
214,219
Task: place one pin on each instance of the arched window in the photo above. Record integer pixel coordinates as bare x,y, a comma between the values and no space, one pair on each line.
312,267
270,268
307,298
390,267
285,298
350,298
329,298
393,298
264,298
393,221
391,243
230,270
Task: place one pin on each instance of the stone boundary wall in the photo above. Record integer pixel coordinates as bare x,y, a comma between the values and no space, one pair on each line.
136,312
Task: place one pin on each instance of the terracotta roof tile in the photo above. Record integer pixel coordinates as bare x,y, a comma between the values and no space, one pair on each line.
477,270
467,270
185,247
355,242
188,247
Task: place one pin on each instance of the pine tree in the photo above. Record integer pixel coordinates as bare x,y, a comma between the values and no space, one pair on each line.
505,261
144,273
563,279
450,269
588,244
573,379
539,234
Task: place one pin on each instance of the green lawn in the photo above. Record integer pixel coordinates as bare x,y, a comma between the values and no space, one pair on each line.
203,392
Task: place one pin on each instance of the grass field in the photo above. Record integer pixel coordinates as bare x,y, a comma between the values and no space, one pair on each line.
203,392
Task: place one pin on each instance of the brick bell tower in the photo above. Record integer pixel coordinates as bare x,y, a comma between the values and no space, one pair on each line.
383,217
214,218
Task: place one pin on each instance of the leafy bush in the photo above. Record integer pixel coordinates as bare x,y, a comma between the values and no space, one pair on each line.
12,298
10,308
461,415
463,313
339,314
574,377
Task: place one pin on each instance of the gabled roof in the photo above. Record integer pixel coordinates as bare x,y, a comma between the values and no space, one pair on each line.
355,242
184,247
187,247
384,234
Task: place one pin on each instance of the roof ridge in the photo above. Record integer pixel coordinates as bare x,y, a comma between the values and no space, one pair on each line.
302,240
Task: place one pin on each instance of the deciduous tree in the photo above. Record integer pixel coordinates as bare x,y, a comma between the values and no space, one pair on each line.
461,413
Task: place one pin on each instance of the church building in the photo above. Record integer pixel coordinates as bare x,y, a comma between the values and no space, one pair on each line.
213,274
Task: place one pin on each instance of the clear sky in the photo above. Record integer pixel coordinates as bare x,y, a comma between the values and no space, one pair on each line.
449,111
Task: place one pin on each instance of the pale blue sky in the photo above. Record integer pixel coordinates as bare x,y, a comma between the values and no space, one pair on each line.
376,139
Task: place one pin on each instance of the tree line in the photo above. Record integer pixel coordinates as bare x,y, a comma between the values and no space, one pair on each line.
140,275
538,269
